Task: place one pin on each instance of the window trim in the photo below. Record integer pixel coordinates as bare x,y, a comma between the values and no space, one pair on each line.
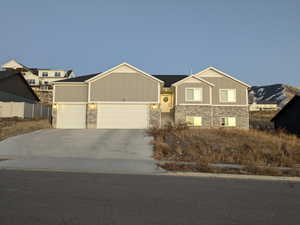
45,73
31,81
227,89
193,88
193,124
59,74
224,117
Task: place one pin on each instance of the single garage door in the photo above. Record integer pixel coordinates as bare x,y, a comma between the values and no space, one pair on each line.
71,116
122,116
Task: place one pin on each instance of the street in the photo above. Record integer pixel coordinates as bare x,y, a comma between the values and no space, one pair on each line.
32,198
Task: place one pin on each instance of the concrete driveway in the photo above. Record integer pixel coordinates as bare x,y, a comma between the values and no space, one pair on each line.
91,150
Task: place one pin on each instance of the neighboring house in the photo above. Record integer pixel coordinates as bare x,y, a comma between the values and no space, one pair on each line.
263,107
127,97
14,88
17,99
288,118
38,79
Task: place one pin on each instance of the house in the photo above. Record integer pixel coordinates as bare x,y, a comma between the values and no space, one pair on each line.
14,88
127,97
288,118
17,99
38,79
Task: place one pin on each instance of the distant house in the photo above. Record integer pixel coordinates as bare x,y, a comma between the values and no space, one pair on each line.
14,88
39,79
263,107
288,118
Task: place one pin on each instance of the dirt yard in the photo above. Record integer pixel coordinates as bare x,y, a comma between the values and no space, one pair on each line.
15,126
257,151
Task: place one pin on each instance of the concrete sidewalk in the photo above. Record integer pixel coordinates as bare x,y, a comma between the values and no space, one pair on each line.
120,166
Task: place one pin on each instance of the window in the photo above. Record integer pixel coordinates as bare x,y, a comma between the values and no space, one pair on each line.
228,122
227,95
31,81
57,74
194,121
193,94
45,74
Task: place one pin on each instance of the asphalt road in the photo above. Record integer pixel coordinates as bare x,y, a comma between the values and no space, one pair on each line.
35,198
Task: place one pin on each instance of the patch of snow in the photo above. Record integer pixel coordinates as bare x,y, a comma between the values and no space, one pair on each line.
281,97
260,90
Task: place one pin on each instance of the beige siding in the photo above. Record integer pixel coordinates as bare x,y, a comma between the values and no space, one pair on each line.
124,87
71,93
227,83
181,93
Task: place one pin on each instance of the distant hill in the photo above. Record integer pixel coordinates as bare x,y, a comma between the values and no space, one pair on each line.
278,94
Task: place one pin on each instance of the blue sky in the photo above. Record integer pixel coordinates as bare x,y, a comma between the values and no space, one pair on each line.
256,41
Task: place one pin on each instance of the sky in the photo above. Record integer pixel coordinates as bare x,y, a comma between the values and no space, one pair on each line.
256,41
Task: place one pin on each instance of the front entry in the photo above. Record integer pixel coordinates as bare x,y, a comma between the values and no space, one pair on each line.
166,102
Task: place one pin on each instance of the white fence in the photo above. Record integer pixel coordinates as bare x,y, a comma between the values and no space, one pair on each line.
24,110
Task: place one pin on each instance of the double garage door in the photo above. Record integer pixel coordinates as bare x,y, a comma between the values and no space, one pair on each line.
109,116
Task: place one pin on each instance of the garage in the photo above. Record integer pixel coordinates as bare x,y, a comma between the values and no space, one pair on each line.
118,116
71,116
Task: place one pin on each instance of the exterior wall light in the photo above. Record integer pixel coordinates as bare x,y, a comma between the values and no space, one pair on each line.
92,106
154,106
54,106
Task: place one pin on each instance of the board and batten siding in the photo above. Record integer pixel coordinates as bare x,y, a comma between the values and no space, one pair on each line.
181,98
71,93
124,87
222,82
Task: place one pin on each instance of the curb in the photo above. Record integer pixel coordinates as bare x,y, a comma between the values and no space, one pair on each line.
232,176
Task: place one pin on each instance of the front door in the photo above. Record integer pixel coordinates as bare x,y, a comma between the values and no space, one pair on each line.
166,102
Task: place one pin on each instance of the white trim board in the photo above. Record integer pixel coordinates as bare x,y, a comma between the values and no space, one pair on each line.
107,72
221,72
212,105
192,76
130,103
70,103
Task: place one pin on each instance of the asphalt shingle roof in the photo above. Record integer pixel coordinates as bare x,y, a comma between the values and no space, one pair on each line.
168,79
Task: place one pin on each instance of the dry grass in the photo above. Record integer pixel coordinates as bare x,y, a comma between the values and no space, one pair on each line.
229,146
14,126
261,120
247,170
263,114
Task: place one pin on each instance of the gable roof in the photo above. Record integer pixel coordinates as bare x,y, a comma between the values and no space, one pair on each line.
82,78
35,71
168,79
224,74
12,61
107,72
286,107
193,76
7,74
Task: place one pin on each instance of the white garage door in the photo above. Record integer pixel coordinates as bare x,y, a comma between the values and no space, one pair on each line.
71,116
123,116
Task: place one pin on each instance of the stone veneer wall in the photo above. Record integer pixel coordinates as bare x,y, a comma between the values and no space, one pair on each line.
181,111
91,116
240,112
211,115
154,117
54,117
